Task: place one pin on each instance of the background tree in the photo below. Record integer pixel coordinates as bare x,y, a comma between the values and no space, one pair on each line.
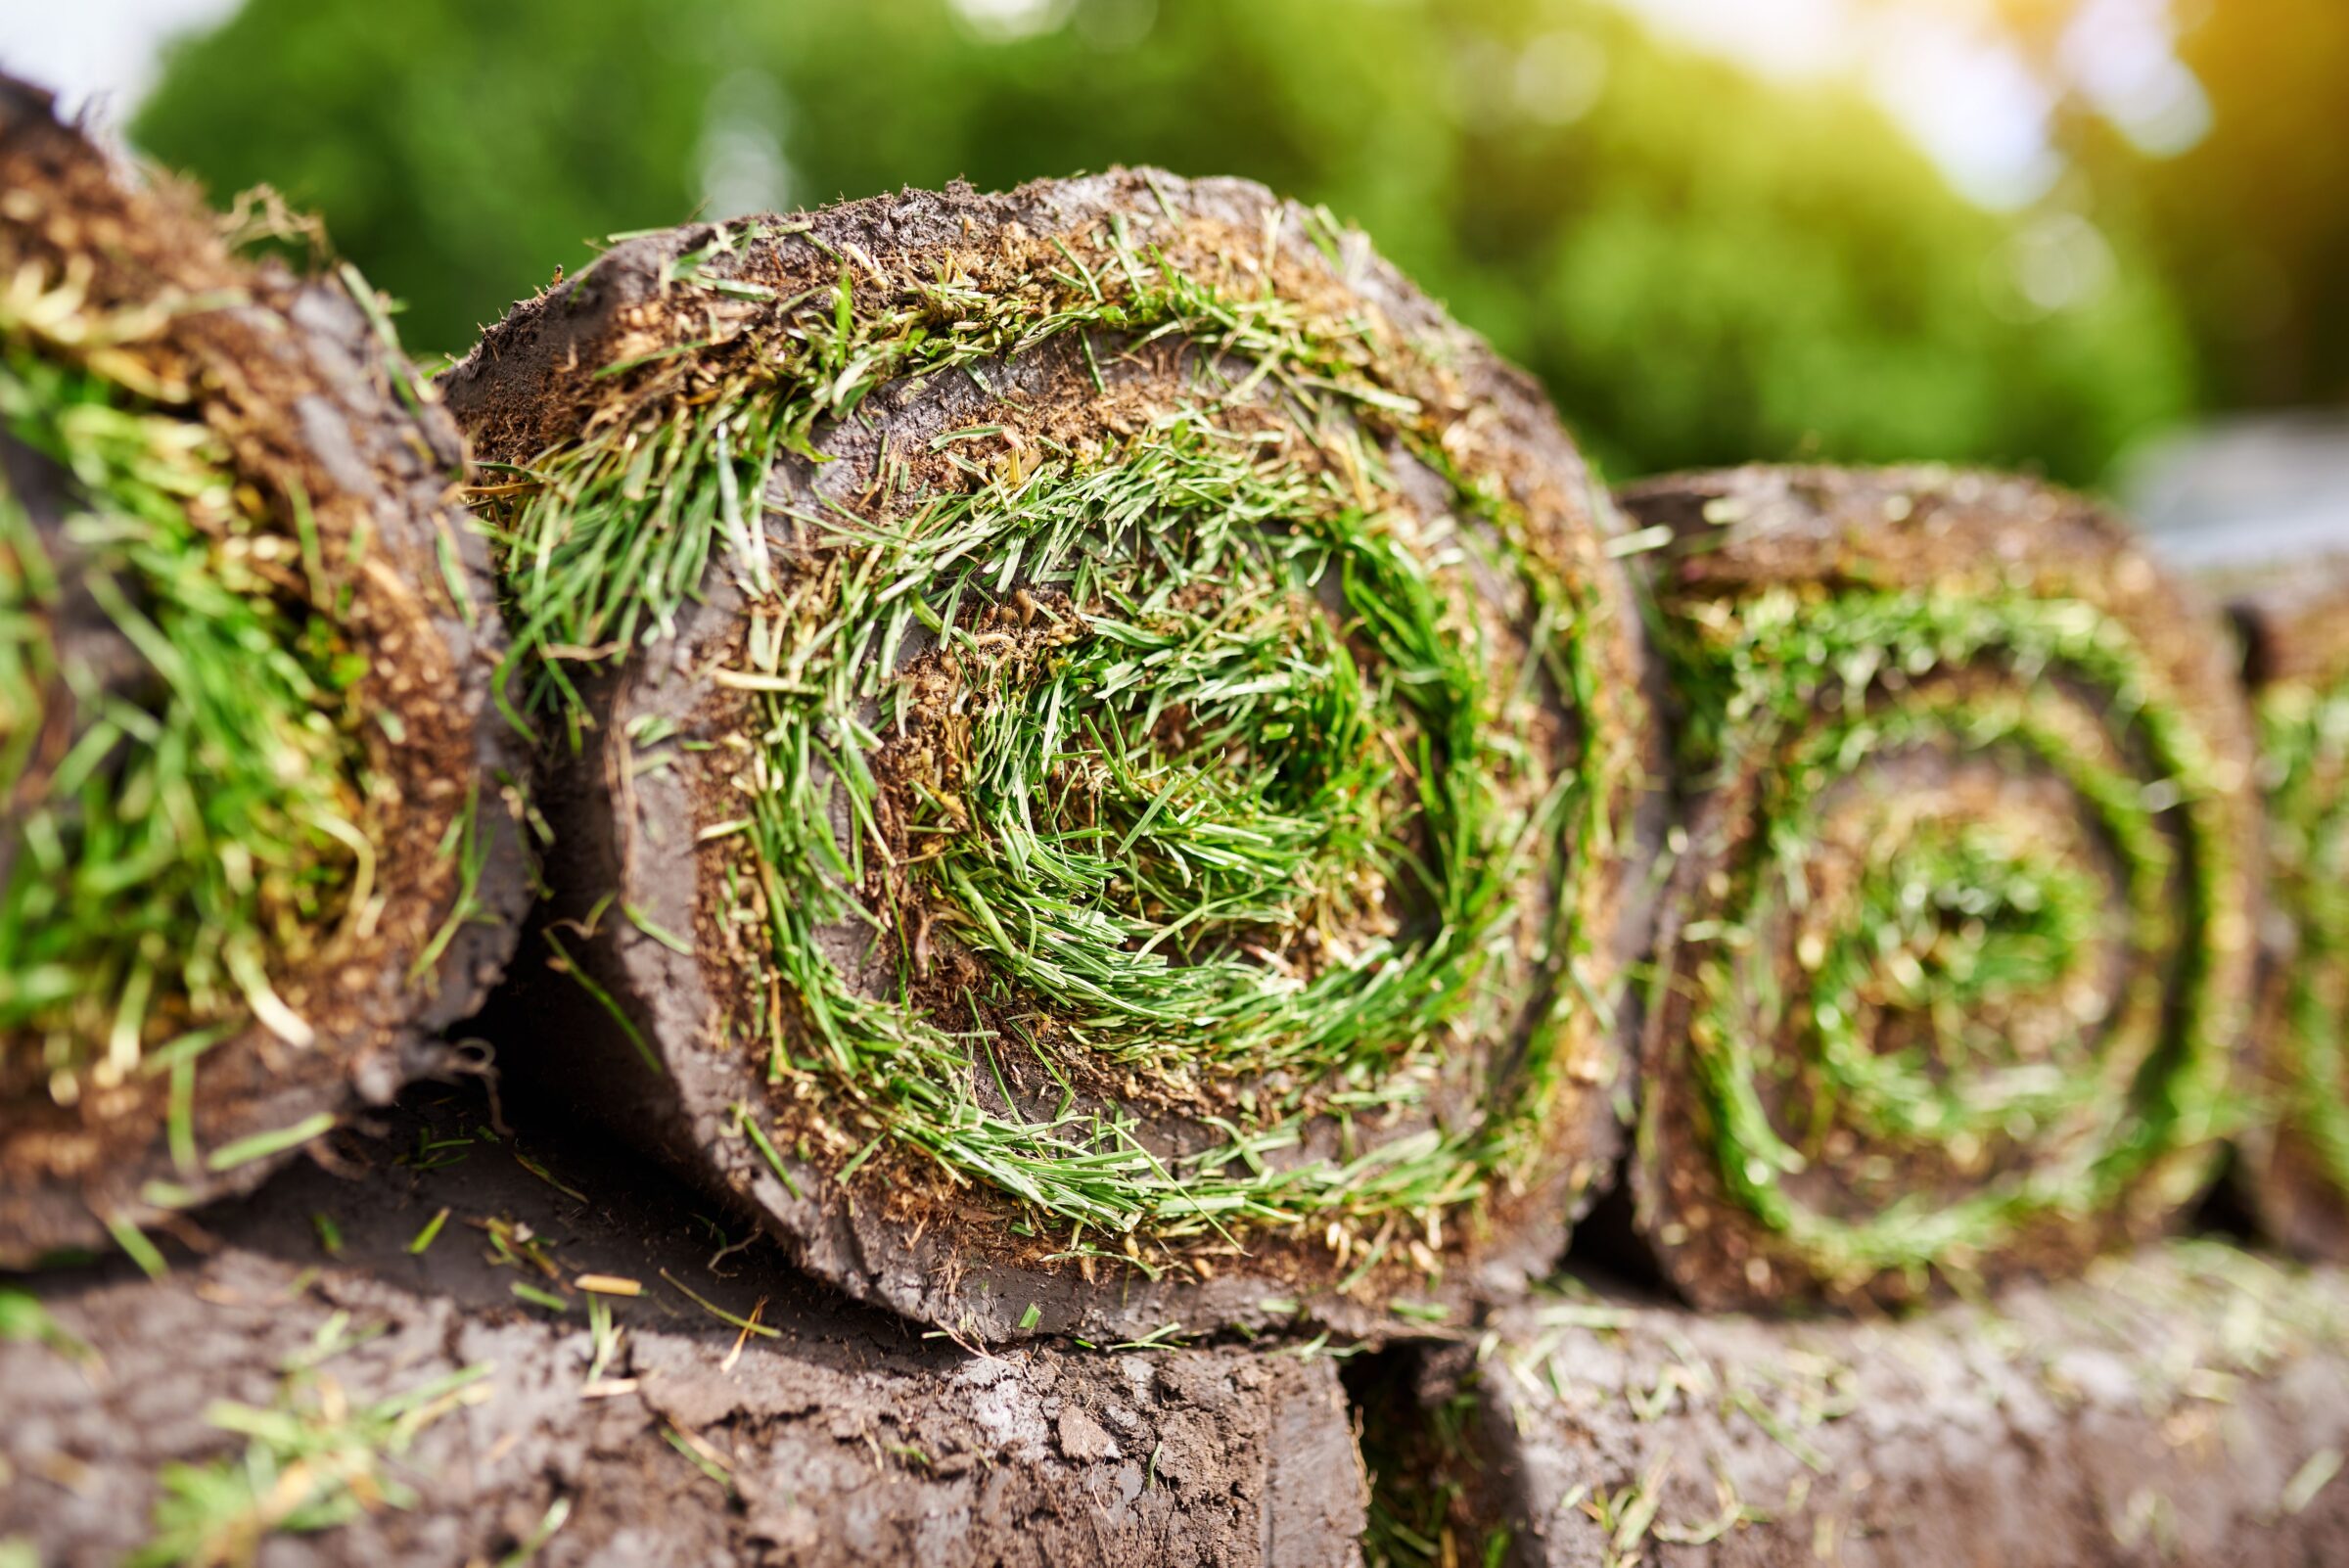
1703,265
2251,223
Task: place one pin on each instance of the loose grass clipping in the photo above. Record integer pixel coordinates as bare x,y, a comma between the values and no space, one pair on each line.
253,847
1957,953
2296,625
1103,743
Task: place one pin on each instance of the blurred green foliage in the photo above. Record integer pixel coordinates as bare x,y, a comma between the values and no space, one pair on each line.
458,151
1703,267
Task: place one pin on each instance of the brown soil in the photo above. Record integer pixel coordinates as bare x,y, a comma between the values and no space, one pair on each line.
1745,529
294,379
2188,1404
896,1236
849,1437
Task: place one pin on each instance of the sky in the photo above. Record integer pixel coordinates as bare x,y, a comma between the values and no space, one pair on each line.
1941,68
101,55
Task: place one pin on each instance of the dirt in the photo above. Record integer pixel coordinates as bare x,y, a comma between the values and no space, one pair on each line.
849,1437
1926,529
293,376
2187,1404
947,1258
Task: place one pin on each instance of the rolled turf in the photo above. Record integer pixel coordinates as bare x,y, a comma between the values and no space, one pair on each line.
1958,952
1101,752
2188,1404
2294,622
252,845
467,1347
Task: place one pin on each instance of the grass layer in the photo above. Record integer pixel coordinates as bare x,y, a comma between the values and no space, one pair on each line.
188,791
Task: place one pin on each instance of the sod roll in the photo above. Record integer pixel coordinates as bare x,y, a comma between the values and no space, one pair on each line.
2188,1404
508,1348
253,846
1958,952
2294,622
1100,752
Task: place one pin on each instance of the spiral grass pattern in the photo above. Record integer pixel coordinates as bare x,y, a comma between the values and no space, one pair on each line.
1171,729
1958,951
2296,1155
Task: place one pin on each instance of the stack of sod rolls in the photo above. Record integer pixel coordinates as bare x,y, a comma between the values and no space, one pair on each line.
1100,750
1957,953
1105,773
251,829
2188,1404
560,1374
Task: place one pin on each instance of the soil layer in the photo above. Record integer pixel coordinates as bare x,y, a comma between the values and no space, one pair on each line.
396,1268
2185,1405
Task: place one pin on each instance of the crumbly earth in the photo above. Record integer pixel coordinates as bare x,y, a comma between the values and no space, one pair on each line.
320,418
650,874
832,1435
1957,957
2185,1405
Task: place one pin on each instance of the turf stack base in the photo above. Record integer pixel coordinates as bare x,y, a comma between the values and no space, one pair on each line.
445,1418
2187,1404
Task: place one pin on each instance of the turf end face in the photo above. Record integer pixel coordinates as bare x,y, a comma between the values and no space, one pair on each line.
2294,1167
256,843
1102,766
1957,956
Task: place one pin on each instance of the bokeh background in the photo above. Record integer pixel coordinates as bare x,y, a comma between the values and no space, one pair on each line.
2050,234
